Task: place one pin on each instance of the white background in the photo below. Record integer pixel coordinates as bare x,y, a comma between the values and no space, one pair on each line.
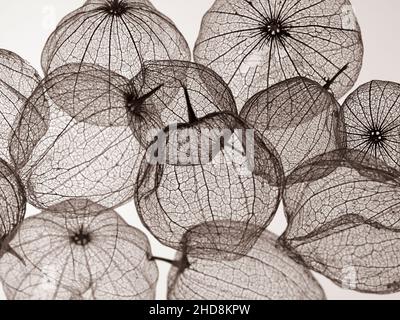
26,24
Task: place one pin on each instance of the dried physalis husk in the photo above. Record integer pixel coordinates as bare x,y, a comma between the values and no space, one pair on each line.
372,121
254,44
343,220
299,117
18,80
76,154
79,250
266,272
12,206
119,35
209,171
153,99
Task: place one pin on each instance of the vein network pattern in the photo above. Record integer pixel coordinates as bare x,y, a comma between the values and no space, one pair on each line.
265,273
206,149
79,250
116,34
254,44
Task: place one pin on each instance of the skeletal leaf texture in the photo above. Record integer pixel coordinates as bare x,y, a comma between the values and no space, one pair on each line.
79,250
101,2
181,81
372,121
298,117
254,44
343,220
12,205
75,158
149,102
266,272
205,176
17,82
116,34
96,125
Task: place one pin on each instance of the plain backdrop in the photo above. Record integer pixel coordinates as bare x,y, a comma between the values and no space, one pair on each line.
26,24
